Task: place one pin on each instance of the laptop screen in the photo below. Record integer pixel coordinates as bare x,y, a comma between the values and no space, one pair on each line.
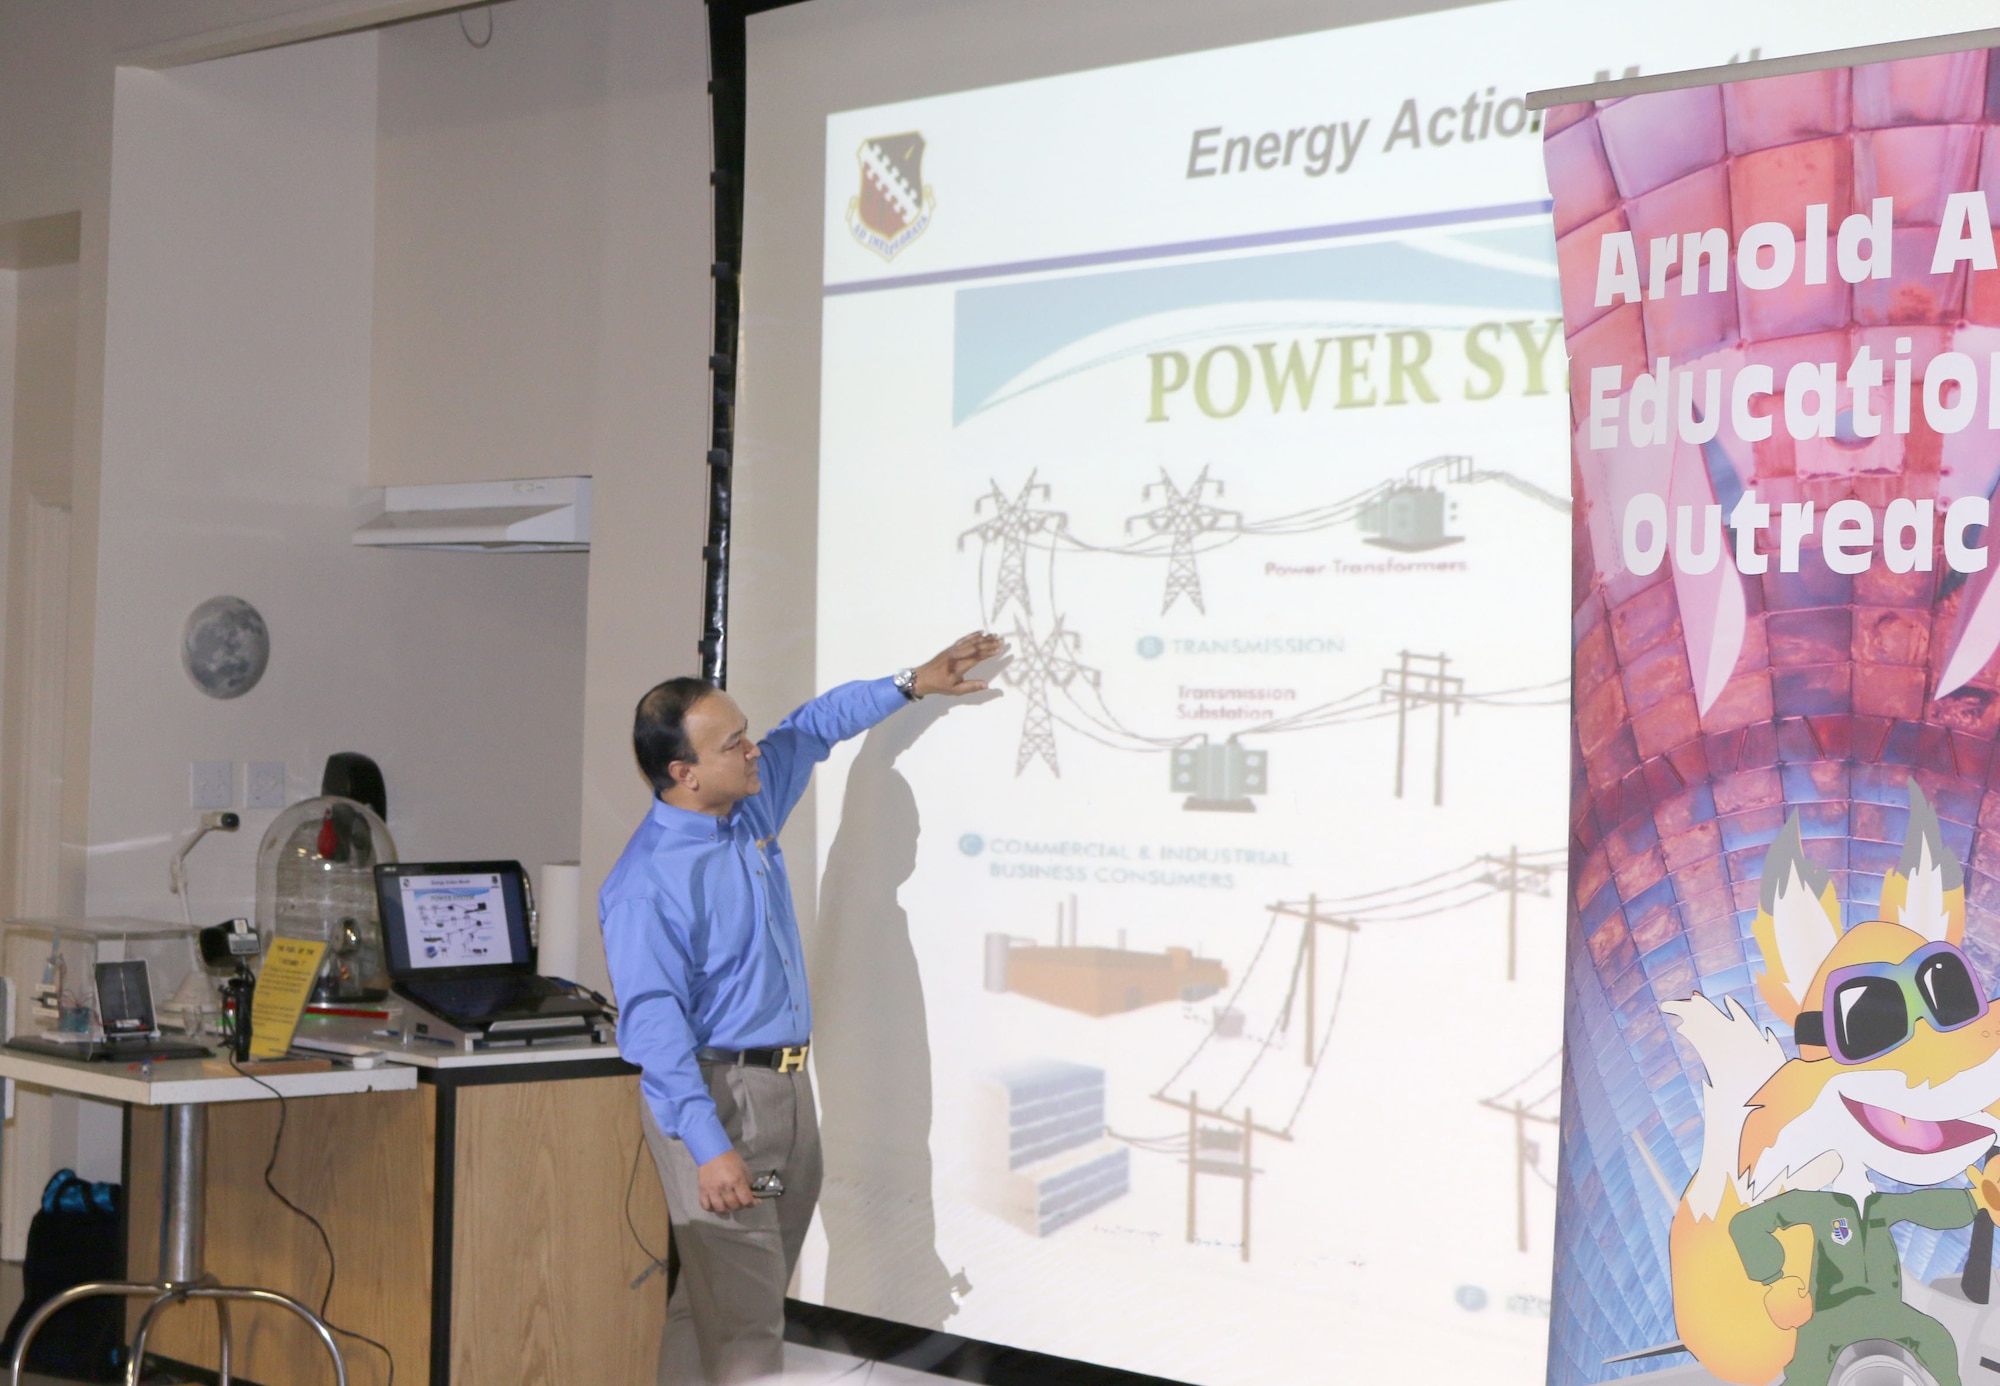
455,917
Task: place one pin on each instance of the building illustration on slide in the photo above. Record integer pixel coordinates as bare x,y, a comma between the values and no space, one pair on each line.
1099,981
1048,1162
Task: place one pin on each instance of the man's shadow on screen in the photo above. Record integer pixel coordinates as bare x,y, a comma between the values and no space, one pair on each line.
871,1047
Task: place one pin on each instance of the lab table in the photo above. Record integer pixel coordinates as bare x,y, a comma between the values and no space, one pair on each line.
477,1203
183,1091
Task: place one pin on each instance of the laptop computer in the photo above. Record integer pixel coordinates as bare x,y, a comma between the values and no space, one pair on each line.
458,943
125,1013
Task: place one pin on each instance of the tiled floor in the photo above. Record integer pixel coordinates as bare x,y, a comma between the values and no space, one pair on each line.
804,1366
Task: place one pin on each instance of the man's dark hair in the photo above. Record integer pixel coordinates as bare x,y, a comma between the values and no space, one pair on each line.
659,728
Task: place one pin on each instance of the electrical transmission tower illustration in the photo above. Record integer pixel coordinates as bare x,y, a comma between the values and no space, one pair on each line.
1036,665
1182,515
1012,524
1411,688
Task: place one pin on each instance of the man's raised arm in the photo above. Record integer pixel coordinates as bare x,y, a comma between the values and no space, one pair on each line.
810,733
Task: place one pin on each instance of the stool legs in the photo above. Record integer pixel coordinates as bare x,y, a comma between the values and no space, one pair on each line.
222,1331
88,1290
221,1294
185,1174
162,1296
135,1362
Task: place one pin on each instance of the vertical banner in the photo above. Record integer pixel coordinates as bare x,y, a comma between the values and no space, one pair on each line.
1782,1095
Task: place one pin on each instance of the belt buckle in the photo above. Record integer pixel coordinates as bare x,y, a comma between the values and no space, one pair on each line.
792,1058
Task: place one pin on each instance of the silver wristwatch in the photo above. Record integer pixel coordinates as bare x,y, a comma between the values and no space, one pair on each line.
906,683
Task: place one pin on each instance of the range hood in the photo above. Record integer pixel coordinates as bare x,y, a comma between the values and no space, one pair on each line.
543,515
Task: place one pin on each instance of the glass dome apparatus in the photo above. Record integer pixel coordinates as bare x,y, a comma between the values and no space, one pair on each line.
316,881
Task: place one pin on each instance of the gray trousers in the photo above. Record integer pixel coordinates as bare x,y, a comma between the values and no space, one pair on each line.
726,1317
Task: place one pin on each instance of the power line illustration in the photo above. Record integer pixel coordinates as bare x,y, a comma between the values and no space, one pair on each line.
1011,525
1219,1135
1445,892
1182,527
1218,776
1184,517
1036,665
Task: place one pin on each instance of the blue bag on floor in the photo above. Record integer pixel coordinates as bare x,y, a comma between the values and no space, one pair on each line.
73,1238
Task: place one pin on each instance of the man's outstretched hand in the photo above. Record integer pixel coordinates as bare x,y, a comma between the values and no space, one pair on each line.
946,671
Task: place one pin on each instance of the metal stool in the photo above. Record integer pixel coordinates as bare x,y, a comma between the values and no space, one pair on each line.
180,1261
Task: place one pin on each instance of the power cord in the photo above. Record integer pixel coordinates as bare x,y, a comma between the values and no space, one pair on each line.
466,29
655,1263
332,1265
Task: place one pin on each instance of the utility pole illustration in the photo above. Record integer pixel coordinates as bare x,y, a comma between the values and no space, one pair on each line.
1526,1153
1012,524
1517,880
1410,688
1183,516
1036,665
1229,1140
1309,961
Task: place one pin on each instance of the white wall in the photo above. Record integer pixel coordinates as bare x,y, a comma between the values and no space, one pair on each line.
491,222
543,306
235,445
42,377
9,355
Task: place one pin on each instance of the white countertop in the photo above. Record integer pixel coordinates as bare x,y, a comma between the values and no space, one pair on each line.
424,1053
438,1057
184,1080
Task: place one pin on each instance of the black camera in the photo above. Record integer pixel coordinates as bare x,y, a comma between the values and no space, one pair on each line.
232,944
227,944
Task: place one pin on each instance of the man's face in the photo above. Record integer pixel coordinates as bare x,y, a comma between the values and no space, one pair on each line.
725,768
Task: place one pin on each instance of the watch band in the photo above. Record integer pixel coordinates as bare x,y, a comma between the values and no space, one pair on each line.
906,683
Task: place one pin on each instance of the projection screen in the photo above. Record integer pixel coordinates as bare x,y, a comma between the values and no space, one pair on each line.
1193,1006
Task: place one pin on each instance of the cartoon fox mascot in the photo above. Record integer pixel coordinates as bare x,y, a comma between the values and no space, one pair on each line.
1781,1249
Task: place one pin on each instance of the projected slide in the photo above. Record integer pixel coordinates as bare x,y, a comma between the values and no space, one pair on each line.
1194,1007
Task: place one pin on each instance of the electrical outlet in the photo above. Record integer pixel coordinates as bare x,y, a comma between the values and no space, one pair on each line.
264,784
211,784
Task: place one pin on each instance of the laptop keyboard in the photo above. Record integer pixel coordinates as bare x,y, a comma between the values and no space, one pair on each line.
480,996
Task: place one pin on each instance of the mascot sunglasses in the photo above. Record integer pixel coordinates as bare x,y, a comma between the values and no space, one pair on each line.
1871,1008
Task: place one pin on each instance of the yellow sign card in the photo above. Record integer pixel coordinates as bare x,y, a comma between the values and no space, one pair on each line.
283,987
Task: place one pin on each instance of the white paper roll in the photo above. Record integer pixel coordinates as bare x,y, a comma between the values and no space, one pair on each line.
557,898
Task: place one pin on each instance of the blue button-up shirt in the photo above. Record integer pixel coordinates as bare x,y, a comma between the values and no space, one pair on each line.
699,932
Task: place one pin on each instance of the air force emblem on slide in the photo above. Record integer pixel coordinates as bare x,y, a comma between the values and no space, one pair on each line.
1843,1231
894,206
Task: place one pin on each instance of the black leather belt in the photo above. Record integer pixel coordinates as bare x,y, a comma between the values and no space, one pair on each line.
790,1059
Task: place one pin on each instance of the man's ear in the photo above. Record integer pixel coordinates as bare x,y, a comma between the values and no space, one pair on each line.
681,772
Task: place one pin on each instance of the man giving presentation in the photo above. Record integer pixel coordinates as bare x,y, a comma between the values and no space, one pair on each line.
704,953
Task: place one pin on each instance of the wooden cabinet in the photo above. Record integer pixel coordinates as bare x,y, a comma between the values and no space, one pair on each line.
479,1223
